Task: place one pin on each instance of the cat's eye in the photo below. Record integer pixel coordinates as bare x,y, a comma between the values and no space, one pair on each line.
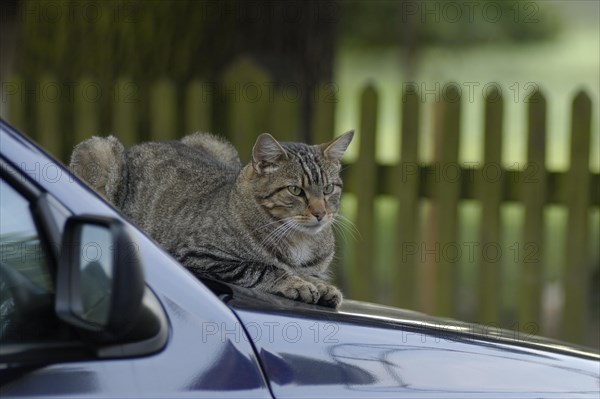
295,190
328,189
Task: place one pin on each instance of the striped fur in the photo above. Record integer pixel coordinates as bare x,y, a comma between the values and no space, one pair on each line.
266,225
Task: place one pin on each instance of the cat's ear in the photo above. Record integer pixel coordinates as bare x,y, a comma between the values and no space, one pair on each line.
266,154
335,149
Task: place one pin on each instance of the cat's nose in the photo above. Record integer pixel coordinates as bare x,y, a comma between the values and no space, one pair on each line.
318,213
317,208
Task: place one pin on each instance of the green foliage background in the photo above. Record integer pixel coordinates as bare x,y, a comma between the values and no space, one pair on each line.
149,39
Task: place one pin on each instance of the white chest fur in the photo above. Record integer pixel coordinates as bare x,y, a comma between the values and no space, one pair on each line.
300,254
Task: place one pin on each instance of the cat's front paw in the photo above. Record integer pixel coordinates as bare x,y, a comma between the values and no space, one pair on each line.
298,289
329,295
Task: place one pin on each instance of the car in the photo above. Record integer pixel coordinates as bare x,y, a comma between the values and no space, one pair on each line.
92,307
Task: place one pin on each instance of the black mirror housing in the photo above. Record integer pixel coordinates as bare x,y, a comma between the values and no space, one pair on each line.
100,281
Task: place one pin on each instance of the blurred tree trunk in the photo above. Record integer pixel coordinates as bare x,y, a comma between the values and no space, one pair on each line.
293,40
150,40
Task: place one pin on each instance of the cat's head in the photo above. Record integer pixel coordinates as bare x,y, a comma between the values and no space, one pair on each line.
298,184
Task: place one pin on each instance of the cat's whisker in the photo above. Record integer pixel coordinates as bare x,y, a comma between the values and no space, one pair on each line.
275,237
344,167
292,226
283,235
339,231
273,234
342,232
344,221
346,225
347,220
272,223
349,232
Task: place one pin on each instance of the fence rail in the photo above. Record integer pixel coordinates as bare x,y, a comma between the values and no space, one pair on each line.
245,102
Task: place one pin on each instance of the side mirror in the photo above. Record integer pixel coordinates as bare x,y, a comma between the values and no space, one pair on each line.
100,283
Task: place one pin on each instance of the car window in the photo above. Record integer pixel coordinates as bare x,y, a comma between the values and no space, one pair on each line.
26,284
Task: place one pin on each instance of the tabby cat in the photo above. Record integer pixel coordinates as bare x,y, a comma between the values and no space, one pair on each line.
266,225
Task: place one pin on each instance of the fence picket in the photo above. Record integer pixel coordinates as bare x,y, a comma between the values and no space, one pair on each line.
284,115
323,103
361,280
406,189
125,105
490,194
198,108
533,193
14,90
446,204
86,115
245,88
576,263
48,116
163,111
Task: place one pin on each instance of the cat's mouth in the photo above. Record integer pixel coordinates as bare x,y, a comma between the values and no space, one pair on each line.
312,225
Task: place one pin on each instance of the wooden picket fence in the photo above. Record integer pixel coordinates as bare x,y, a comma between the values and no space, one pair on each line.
244,102
430,281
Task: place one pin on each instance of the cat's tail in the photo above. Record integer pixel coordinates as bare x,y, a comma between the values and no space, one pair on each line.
100,162
220,149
